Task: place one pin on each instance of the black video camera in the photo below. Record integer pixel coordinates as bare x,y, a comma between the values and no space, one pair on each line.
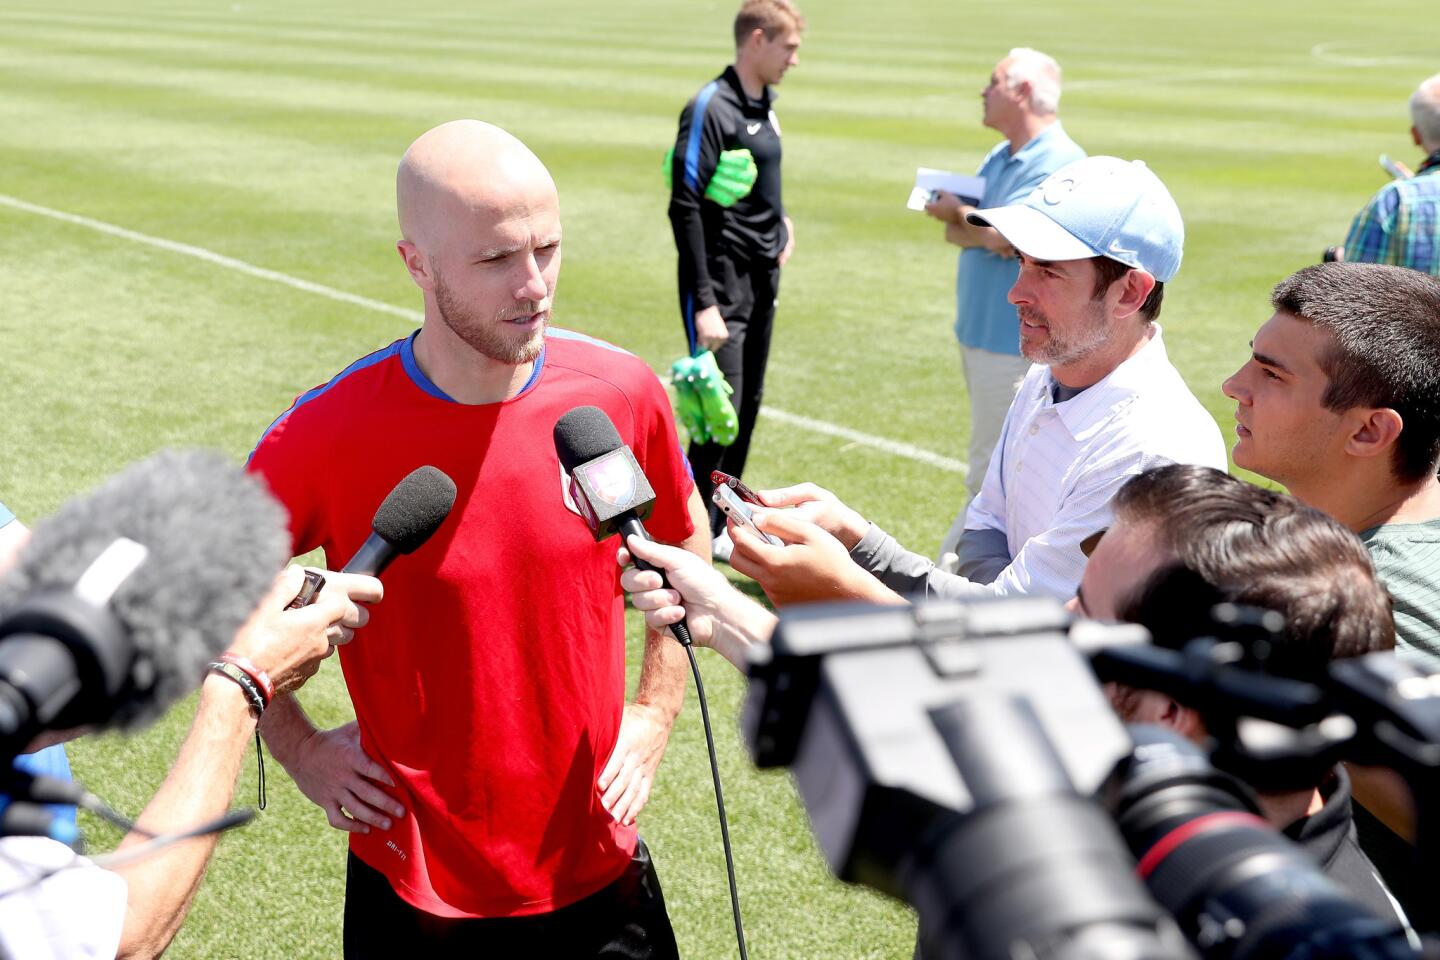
965,759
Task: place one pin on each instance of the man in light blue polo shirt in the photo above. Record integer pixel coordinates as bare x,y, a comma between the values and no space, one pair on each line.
1021,102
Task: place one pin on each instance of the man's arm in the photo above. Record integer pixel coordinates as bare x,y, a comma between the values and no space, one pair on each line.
899,571
695,159
984,554
288,645
949,210
625,782
719,616
812,566
198,788
908,573
329,766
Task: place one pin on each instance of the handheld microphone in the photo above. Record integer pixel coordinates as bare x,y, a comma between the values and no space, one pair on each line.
607,484
407,517
613,496
121,598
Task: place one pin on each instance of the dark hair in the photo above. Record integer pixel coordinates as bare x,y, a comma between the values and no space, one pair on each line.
772,17
1107,271
1384,350
1235,542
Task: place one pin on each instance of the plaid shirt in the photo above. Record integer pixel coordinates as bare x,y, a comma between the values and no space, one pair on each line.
1401,224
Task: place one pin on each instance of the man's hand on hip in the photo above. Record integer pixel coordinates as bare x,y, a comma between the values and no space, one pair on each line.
625,782
710,329
332,770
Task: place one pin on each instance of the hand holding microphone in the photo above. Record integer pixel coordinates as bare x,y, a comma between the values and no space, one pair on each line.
288,642
607,484
719,616
669,584
407,517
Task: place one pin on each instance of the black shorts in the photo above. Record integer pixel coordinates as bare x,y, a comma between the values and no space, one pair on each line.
624,921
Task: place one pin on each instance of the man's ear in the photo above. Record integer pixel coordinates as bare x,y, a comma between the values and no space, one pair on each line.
1415,135
1185,722
1372,431
1134,289
417,264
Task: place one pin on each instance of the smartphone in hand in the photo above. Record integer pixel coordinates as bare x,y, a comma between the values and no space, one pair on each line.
722,479
738,510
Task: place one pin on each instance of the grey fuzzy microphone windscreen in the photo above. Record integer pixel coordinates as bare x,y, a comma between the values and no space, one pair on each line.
216,539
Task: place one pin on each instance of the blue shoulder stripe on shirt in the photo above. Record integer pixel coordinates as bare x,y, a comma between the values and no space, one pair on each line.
560,334
378,356
697,126
417,376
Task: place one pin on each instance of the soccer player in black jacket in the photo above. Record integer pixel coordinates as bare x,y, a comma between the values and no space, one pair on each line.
730,257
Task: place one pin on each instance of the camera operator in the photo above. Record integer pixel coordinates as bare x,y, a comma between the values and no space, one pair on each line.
1187,538
56,904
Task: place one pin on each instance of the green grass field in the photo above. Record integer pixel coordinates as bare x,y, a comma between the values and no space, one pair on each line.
269,132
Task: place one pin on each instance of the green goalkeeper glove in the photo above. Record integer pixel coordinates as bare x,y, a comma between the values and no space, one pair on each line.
687,401
733,179
703,399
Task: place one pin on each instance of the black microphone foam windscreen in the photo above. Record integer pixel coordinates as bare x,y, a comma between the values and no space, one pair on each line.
216,539
415,509
583,434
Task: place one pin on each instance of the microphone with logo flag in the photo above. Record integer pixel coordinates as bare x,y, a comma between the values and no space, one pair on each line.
606,482
612,495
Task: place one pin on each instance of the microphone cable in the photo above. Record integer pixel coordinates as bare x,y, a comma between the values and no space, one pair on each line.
155,842
688,644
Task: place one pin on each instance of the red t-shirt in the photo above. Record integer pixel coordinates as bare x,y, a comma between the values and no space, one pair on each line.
490,681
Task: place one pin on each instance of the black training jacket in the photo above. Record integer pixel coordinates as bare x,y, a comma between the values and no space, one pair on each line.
722,117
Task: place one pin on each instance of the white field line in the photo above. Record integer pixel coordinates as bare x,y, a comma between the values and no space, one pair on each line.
1328,53
883,444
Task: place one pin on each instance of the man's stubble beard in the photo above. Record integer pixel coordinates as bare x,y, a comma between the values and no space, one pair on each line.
487,336
1090,338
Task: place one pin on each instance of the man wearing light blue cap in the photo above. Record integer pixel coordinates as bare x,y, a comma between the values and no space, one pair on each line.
1096,241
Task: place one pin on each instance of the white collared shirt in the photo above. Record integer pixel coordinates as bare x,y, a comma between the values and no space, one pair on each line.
1058,465
56,904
